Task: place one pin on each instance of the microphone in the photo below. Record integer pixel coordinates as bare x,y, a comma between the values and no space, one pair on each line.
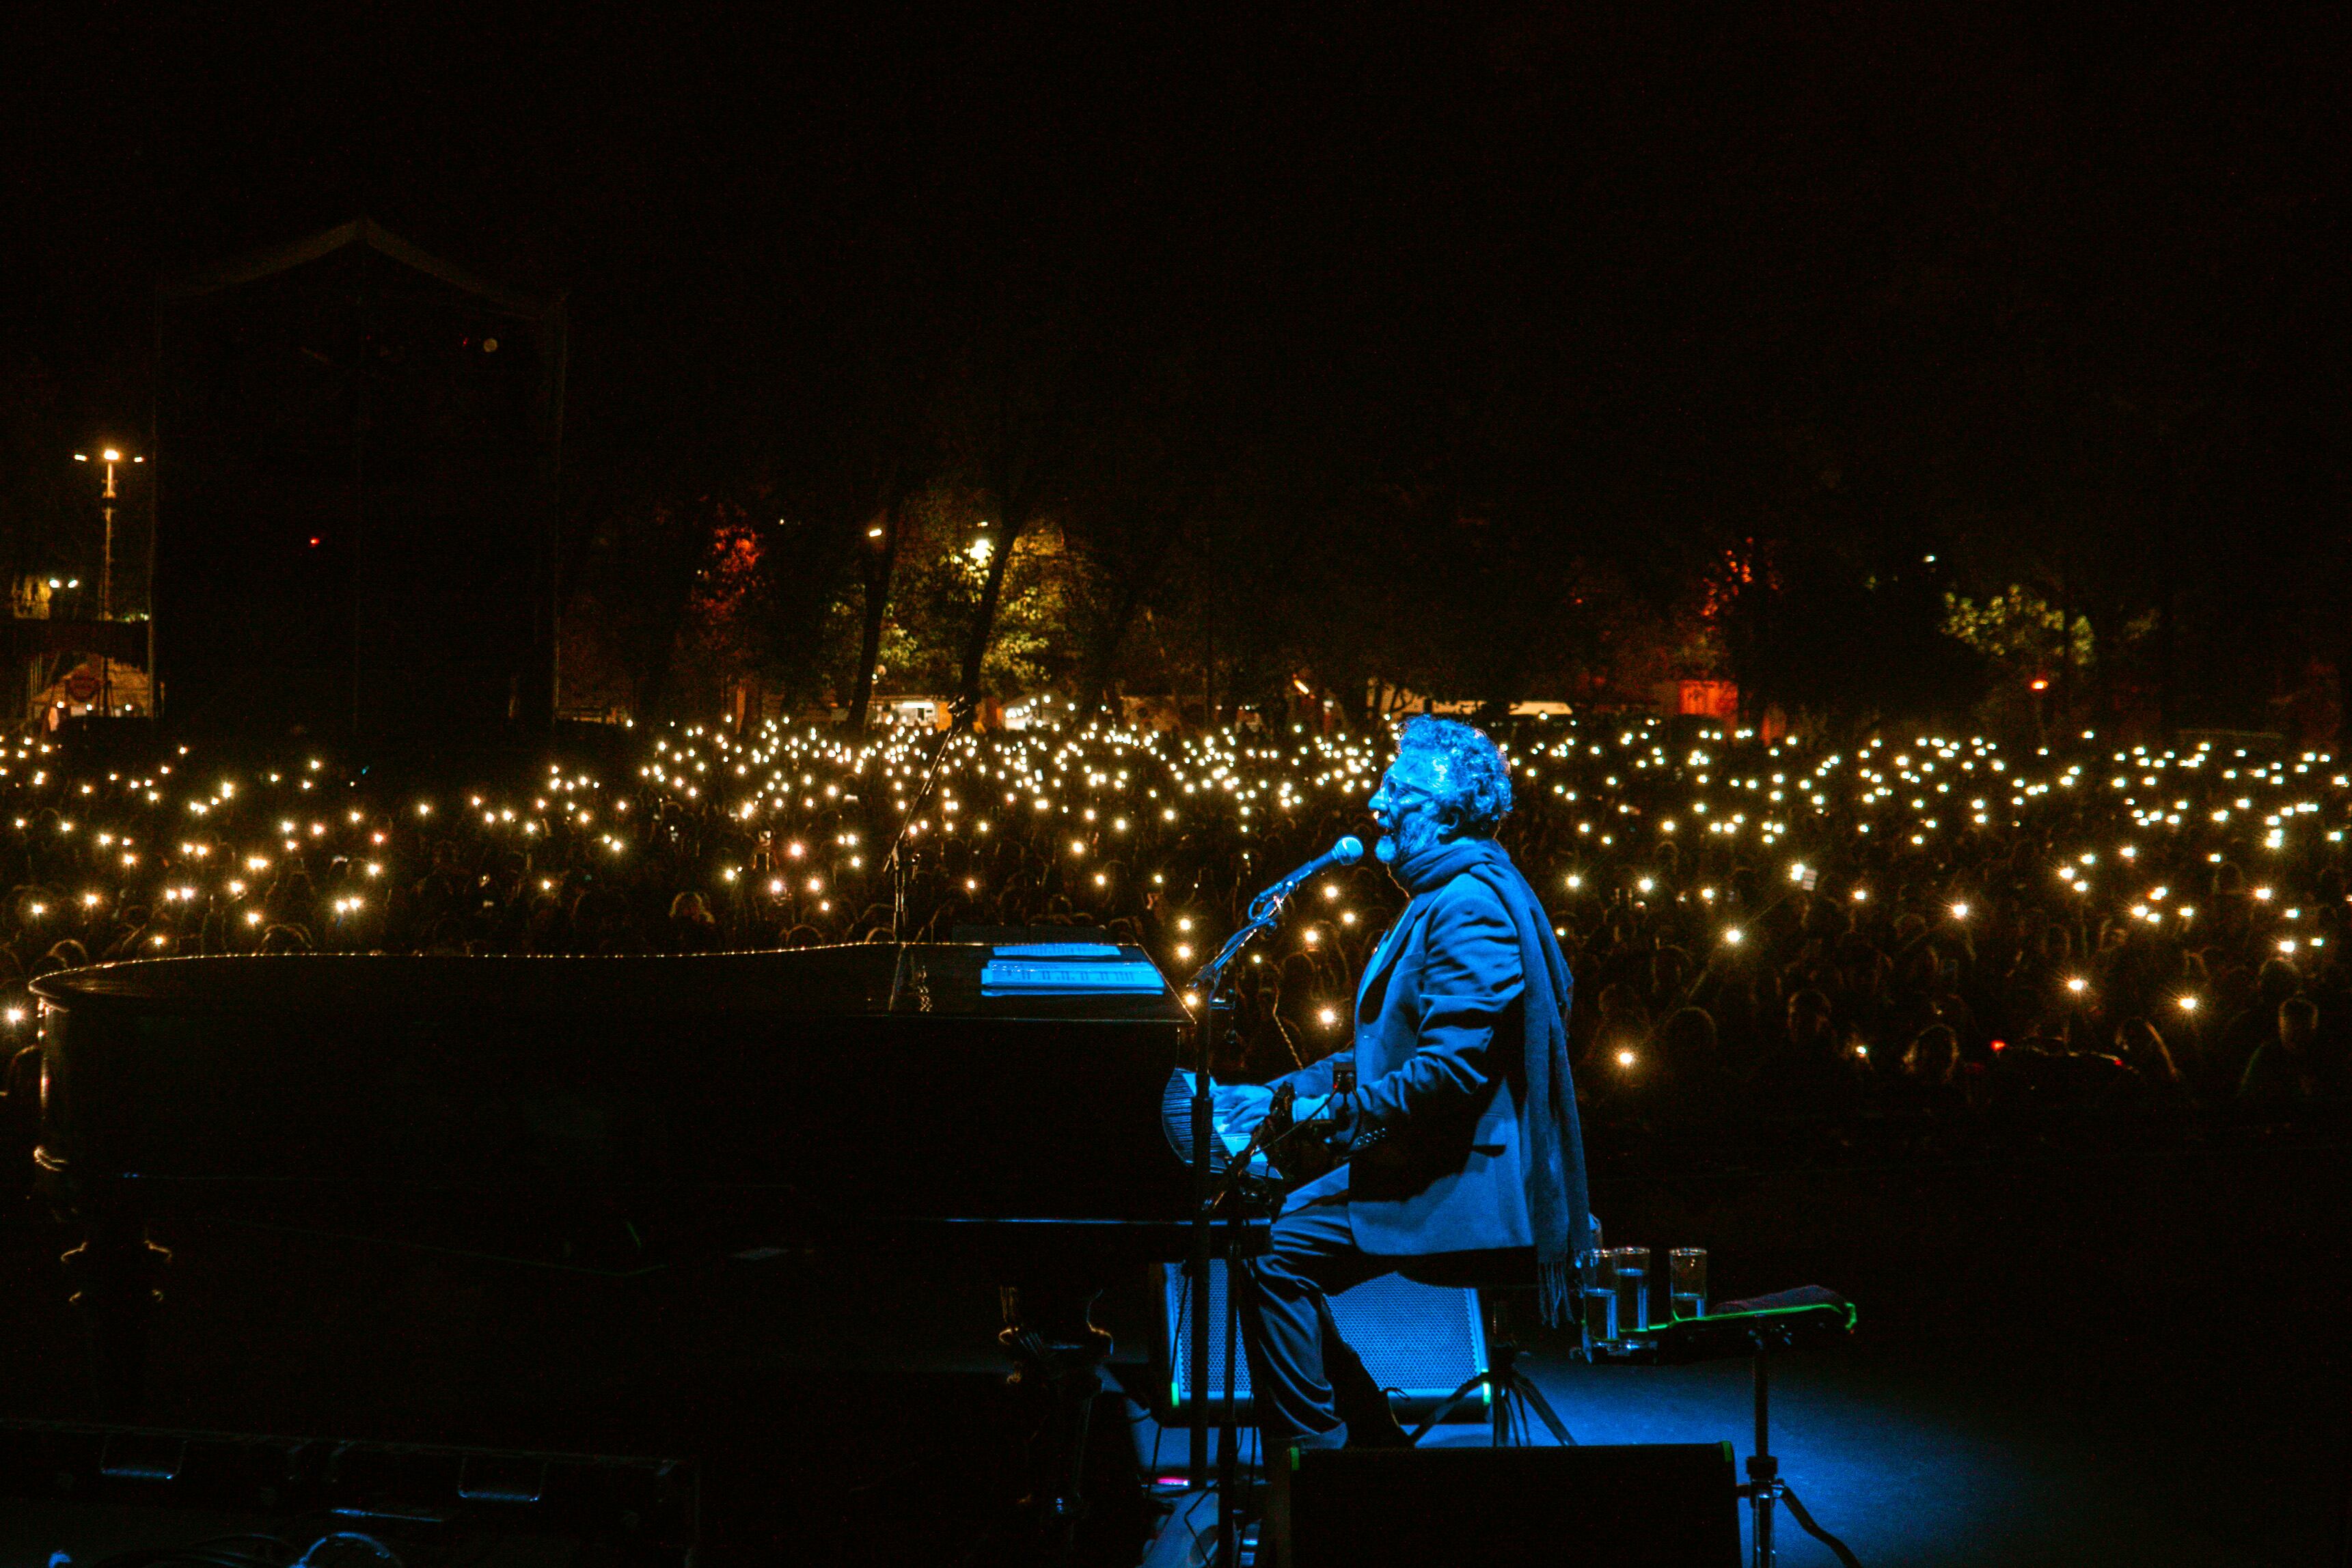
1347,851
1268,904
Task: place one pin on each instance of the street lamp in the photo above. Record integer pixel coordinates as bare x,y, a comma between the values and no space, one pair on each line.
110,456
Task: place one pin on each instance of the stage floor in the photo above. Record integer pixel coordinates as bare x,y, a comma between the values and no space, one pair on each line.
2060,1362
1925,1465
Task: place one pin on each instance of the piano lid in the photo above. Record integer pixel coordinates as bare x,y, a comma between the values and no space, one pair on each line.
863,978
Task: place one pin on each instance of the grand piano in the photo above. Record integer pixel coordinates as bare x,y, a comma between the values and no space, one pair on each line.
881,1084
941,1096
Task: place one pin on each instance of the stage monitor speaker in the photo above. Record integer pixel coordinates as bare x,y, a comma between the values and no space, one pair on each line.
1651,1505
1420,1339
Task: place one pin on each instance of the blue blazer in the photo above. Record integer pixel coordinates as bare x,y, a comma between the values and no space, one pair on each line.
1441,1066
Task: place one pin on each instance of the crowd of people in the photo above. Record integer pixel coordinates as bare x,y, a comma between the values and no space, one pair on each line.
1912,929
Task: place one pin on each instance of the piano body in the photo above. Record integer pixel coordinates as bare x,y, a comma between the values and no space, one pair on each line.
876,1095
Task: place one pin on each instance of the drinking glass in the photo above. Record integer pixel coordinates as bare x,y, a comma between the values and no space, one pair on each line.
1593,1269
1600,1316
1686,1282
1633,1270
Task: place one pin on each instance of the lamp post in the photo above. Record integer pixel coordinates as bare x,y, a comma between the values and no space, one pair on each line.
107,498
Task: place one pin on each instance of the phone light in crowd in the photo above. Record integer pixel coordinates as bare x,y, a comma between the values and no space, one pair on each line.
1184,949
1959,912
1329,1017
2287,946
1574,881
253,917
16,1017
1731,938
2077,985
1626,1058
37,910
1645,885
2263,893
1861,896
2187,1004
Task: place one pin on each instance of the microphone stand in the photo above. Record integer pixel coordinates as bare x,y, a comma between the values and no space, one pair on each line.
895,862
1208,985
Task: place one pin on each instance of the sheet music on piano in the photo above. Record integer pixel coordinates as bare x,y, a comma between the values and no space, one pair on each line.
1067,968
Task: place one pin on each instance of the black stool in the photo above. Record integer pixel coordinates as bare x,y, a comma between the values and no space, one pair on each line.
1511,1394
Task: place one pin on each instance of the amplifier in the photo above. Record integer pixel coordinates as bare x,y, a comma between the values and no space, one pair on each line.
1649,1505
1421,1340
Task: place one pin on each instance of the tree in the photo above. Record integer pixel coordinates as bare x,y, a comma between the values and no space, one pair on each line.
1014,433
877,561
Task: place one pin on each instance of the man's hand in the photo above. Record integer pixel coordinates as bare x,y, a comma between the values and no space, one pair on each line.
1303,1150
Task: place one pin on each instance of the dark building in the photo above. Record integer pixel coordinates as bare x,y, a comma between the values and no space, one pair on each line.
357,448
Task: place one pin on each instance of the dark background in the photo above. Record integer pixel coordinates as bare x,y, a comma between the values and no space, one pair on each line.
1445,344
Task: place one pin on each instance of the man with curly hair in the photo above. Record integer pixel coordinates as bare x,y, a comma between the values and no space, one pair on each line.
1460,1142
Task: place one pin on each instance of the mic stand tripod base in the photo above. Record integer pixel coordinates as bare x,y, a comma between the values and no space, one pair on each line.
1765,1489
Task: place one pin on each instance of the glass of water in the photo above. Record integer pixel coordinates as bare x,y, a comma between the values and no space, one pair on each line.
1686,1282
1600,1317
1596,1295
1593,1270
1632,1265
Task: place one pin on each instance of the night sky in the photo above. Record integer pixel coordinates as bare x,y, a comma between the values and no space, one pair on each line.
2013,285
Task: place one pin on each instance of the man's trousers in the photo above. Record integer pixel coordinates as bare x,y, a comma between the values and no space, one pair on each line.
1307,1381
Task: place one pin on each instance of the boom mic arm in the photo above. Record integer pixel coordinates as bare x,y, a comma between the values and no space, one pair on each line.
1347,851
1267,905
